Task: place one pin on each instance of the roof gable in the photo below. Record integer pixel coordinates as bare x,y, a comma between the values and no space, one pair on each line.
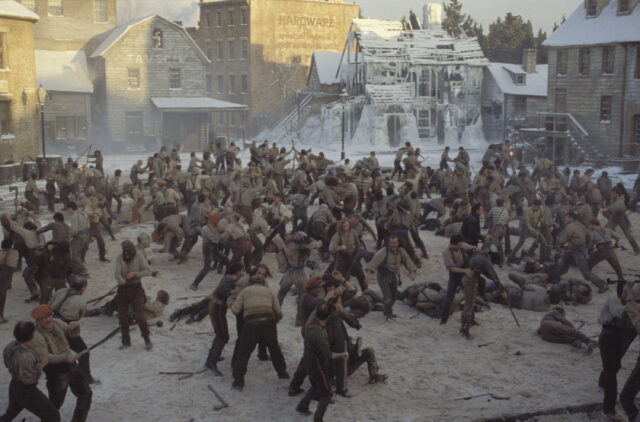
121,31
535,83
326,64
13,9
606,28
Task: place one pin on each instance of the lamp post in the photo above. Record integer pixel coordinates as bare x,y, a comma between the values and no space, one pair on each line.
343,99
41,96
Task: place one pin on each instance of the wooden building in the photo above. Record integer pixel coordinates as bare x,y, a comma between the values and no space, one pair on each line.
594,78
150,88
18,109
512,96
67,113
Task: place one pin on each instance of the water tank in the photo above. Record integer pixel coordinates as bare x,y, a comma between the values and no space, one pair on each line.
432,16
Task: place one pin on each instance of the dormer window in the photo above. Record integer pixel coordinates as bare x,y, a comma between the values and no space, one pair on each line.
592,8
521,79
623,6
157,38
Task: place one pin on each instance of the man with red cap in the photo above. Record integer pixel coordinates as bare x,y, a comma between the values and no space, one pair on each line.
59,363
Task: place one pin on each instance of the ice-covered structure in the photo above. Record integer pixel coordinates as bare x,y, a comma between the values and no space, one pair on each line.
408,84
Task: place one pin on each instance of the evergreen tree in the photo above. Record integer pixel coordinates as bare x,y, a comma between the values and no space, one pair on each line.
453,17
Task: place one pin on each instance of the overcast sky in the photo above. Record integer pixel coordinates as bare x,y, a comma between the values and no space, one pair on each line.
542,13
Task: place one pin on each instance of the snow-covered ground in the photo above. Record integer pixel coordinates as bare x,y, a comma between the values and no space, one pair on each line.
429,365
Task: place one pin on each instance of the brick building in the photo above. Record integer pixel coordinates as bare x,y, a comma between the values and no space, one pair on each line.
150,88
18,112
260,50
72,24
594,78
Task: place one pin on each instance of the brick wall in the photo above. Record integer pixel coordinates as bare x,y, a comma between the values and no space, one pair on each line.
19,76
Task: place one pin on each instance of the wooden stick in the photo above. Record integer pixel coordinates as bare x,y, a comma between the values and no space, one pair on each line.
99,298
590,407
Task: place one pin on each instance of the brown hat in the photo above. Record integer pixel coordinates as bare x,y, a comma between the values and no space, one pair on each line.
313,283
215,219
41,311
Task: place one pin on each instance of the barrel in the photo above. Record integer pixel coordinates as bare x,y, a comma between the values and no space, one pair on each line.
29,168
6,174
55,161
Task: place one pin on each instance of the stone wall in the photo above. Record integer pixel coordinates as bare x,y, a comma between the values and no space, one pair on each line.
18,78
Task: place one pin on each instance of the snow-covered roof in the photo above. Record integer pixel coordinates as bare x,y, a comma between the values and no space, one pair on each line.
390,94
13,9
326,64
606,28
384,41
195,103
535,83
63,71
119,32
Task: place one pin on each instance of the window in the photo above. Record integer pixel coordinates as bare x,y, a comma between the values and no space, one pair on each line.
220,84
521,107
71,127
208,19
562,62
29,4
592,7
64,127
243,16
232,50
637,61
133,78
245,49
233,119
520,79
583,61
55,8
220,50
636,128
231,21
623,6
4,117
423,121
157,38
232,83
608,59
218,19
561,100
244,81
100,10
208,79
174,78
209,51
3,52
605,108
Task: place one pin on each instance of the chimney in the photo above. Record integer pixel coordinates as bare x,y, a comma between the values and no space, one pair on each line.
529,60
432,16
178,22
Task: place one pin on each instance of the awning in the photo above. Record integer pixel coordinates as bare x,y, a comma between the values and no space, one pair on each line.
186,104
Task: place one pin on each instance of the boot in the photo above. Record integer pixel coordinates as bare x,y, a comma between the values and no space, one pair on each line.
323,404
212,362
147,343
126,339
